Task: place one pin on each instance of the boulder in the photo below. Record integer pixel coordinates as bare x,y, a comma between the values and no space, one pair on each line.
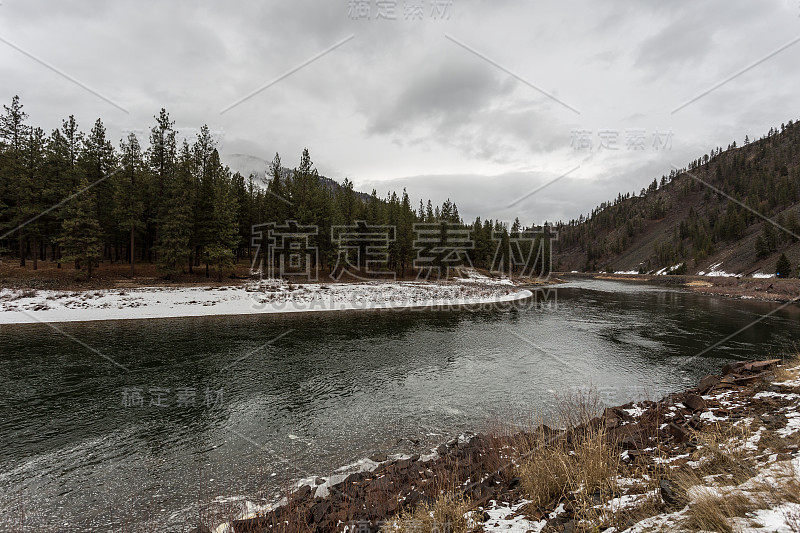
678,433
669,493
731,367
694,402
707,383
759,366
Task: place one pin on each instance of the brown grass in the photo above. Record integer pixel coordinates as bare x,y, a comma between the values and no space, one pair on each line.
721,453
450,513
583,467
713,512
789,369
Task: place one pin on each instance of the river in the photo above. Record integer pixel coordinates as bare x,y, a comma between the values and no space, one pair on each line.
160,423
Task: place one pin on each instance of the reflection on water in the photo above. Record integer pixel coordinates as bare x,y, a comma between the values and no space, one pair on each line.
209,409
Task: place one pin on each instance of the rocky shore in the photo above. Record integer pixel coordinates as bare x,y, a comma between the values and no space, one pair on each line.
652,448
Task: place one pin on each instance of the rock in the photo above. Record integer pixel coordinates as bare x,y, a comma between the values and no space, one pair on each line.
412,498
201,529
758,366
302,492
694,402
678,433
669,492
707,383
379,457
319,481
514,483
319,510
442,449
486,516
731,367
383,484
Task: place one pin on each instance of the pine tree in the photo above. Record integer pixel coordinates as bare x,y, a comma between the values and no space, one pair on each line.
175,224
161,159
783,268
405,233
97,163
277,202
129,185
81,231
219,252
13,132
34,196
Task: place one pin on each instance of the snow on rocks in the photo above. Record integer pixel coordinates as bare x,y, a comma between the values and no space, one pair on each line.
504,517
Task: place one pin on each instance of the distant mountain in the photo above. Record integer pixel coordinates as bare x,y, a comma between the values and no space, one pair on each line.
251,165
700,219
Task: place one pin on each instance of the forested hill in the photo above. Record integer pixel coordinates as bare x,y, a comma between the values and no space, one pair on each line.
689,220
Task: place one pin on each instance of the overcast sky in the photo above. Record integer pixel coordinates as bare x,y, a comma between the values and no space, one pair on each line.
482,102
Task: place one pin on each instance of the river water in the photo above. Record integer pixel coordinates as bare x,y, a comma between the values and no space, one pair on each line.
138,425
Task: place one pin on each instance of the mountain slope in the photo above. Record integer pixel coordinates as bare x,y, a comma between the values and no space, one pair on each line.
705,216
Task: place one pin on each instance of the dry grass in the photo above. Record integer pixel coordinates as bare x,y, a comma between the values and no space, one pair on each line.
710,511
789,369
450,513
721,452
784,488
581,464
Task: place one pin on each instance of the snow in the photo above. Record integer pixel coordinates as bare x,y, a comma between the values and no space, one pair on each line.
635,411
626,272
770,520
268,296
666,270
502,518
708,416
792,424
762,275
715,271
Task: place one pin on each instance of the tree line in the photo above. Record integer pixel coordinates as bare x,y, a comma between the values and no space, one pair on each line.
74,198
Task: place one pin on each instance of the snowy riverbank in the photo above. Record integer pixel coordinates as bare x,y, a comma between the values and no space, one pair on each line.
267,296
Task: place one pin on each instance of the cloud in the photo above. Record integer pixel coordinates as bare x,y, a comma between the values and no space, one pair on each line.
400,104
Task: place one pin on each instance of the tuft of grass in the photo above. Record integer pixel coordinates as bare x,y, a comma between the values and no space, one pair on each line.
450,512
711,511
585,465
721,453
789,369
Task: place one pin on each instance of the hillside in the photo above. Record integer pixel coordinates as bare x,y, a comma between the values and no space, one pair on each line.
704,216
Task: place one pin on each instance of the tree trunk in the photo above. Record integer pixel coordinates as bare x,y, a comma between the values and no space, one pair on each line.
35,253
133,260
21,251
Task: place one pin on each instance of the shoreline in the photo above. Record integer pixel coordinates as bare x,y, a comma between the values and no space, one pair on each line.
741,288
658,441
272,298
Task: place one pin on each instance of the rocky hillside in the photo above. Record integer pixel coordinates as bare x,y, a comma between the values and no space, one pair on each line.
705,216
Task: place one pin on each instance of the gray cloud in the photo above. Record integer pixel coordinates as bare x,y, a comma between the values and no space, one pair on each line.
400,105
